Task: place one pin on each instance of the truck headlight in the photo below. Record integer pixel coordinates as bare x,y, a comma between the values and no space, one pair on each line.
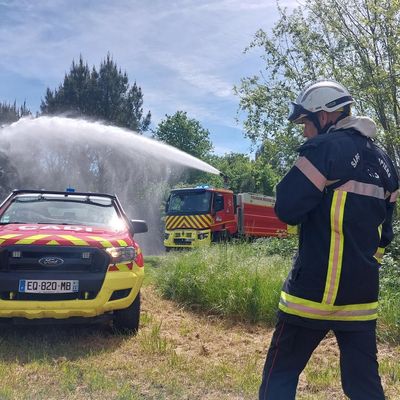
121,254
202,236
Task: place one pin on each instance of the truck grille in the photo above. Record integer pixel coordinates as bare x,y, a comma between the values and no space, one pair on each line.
186,242
21,258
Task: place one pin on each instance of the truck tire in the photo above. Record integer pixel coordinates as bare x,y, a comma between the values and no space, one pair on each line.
127,320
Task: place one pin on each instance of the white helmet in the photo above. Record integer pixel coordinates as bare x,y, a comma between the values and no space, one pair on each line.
326,95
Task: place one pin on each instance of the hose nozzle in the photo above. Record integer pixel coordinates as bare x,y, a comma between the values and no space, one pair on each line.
225,178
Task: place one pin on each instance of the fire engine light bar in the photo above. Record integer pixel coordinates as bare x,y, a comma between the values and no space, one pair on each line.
16,254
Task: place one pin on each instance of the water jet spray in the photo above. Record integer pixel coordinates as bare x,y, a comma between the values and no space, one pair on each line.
56,152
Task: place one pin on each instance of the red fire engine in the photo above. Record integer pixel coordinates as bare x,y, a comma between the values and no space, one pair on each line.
196,217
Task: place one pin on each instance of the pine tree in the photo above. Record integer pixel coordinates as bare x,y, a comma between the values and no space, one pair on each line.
10,113
105,95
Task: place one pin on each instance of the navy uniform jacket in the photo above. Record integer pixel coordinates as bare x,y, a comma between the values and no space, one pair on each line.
342,192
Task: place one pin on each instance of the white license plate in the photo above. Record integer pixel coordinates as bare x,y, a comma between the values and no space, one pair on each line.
48,286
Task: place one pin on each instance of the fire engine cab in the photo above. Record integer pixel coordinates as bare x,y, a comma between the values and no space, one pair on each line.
197,216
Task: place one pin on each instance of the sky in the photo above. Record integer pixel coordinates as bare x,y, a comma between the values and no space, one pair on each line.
185,54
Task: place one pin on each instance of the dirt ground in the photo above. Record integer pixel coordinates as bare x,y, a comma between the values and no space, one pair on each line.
194,335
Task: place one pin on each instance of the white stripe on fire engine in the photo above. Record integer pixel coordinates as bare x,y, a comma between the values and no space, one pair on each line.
31,239
104,243
74,240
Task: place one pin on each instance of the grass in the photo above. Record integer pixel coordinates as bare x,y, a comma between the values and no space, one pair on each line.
243,281
237,281
177,354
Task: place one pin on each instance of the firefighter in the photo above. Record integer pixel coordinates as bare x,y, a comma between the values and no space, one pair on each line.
341,192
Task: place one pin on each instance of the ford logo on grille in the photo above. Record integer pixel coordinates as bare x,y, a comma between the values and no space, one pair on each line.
51,261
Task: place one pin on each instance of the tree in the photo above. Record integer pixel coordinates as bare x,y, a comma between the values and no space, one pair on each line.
244,174
105,95
10,113
185,134
352,41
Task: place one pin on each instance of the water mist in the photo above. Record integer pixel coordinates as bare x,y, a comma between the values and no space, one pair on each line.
54,153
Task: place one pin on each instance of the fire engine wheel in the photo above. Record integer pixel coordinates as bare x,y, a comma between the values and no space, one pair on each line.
127,320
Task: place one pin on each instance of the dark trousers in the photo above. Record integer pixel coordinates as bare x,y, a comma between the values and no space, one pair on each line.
291,348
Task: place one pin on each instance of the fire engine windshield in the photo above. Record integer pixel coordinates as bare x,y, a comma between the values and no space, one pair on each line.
58,210
196,202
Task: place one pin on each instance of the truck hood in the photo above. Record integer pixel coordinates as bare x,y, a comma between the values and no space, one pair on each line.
63,235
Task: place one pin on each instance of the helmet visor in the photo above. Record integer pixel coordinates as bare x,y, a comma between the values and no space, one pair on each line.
296,112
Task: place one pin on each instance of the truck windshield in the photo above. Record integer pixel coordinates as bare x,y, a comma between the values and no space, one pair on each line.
189,202
58,210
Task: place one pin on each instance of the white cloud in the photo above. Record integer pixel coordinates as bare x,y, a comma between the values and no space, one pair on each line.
185,54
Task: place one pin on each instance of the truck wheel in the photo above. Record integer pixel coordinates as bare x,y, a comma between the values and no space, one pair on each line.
127,320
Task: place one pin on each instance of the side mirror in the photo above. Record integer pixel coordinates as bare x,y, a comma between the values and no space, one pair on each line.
139,226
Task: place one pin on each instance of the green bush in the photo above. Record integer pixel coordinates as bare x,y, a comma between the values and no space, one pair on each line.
285,247
243,280
389,313
236,280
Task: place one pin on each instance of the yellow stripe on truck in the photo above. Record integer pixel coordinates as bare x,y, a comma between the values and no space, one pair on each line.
189,221
74,240
31,239
3,238
104,243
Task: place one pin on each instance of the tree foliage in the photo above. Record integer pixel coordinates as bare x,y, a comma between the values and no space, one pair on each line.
352,41
244,174
185,134
10,113
105,94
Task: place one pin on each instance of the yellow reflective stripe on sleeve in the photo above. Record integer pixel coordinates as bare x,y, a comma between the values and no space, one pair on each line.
336,247
74,240
314,310
104,243
31,239
122,243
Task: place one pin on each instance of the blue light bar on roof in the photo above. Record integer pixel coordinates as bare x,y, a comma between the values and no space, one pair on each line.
202,187
70,190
